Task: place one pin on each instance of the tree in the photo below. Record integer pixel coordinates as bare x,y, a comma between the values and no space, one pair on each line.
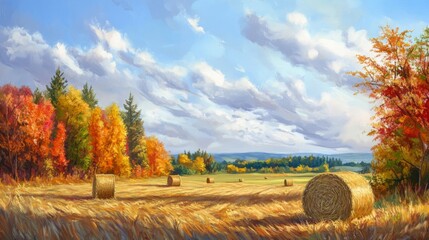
37,134
75,114
58,153
199,165
184,160
397,78
116,141
25,130
135,132
37,96
88,96
98,137
159,158
57,87
209,162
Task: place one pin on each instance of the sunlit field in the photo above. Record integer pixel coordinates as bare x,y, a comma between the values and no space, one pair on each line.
257,208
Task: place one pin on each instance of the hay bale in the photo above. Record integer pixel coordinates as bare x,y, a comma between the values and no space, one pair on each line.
240,180
333,196
174,180
265,177
288,182
103,186
210,180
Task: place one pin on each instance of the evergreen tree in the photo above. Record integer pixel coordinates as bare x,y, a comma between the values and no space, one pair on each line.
57,87
88,96
135,132
37,96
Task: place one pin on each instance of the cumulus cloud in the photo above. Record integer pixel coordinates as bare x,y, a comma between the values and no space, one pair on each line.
194,106
112,38
331,54
297,18
194,23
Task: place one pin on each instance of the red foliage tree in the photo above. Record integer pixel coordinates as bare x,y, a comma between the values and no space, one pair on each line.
58,151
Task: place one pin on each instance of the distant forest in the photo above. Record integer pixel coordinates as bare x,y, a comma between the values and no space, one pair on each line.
200,161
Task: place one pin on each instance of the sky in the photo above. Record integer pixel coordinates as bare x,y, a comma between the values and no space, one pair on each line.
219,75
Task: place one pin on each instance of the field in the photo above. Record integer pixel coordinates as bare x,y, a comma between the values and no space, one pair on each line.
257,208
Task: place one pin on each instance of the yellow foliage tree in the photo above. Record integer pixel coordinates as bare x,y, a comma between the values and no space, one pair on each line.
116,141
74,112
184,160
199,165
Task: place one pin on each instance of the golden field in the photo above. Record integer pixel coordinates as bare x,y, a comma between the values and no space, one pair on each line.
257,208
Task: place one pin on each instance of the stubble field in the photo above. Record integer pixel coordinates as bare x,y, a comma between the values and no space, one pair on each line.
257,208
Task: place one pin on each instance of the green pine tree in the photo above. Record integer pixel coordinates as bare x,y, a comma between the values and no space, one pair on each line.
88,96
37,96
57,87
135,132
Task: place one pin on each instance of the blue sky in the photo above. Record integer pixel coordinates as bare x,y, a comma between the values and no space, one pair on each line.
225,76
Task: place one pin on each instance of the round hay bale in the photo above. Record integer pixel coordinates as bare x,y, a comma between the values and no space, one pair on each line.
265,177
210,180
103,186
333,196
174,180
288,182
240,180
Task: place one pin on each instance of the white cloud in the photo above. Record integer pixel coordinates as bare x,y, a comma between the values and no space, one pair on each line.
21,44
112,38
60,52
297,18
331,54
193,22
196,106
98,60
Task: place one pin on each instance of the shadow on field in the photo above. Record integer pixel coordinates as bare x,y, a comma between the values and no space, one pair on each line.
295,219
152,185
58,196
242,199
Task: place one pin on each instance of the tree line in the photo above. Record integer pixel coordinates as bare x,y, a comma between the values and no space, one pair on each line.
62,131
200,162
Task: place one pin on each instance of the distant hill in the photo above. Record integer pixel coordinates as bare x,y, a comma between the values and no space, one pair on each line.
345,157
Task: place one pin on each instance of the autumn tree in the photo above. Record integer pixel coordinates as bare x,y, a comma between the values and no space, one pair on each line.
116,140
57,87
25,130
395,76
58,154
75,114
184,160
159,158
11,146
209,162
38,128
198,165
135,132
98,137
88,95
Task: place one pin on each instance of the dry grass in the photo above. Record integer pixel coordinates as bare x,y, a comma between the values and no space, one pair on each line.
147,209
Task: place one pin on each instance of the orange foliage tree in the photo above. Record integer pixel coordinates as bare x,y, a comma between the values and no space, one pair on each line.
38,130
25,131
159,158
396,76
58,153
97,133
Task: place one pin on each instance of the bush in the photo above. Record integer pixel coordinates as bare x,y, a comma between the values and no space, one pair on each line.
182,170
